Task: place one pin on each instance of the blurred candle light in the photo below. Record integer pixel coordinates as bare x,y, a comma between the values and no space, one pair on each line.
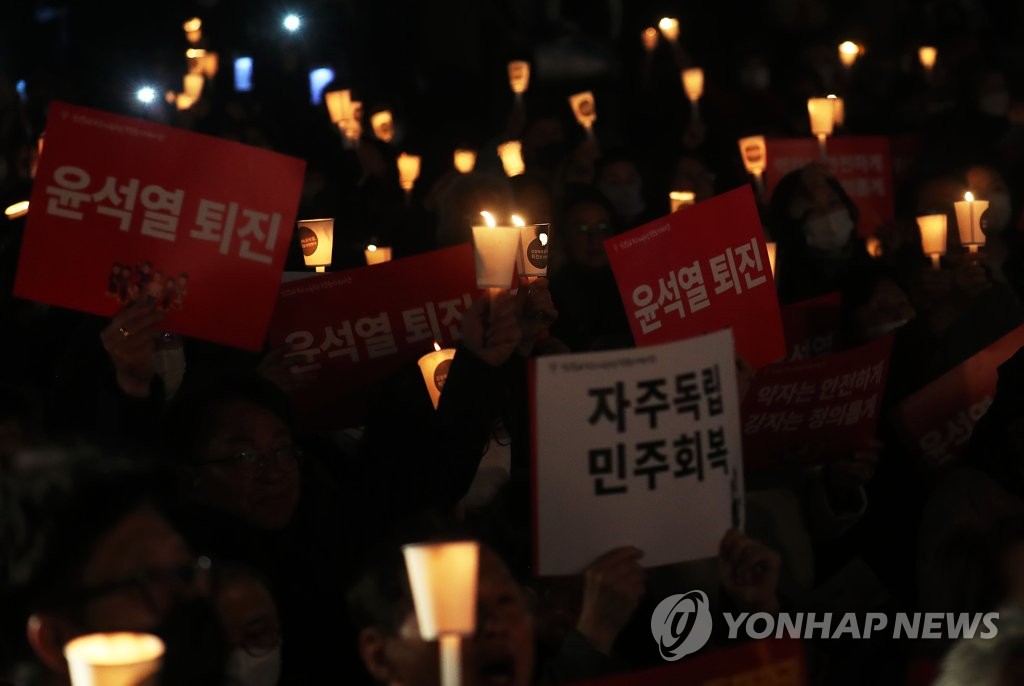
649,38
772,251
848,53
114,659
170,97
511,154
338,103
754,150
408,171
669,28
464,160
679,199
822,115
193,30
927,55
933,236
443,580
838,109
585,110
873,246
377,254
383,125
519,77
495,248
17,210
193,85
693,83
316,238
209,64
434,367
351,124
968,218
183,101
194,58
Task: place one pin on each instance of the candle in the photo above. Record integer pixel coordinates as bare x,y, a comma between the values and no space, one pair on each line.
338,104
193,85
669,28
114,659
679,199
316,238
519,77
693,83
927,55
209,64
434,367
495,248
377,254
583,107
754,150
383,125
443,579
511,154
838,109
182,101
351,123
17,210
193,30
933,236
968,219
532,257
772,250
649,38
873,246
848,53
465,160
408,171
822,114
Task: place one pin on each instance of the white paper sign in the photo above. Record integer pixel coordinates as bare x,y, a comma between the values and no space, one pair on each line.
636,447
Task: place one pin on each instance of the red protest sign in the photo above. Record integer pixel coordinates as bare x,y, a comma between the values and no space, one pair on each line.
862,164
125,210
774,661
346,330
938,420
698,270
826,403
811,326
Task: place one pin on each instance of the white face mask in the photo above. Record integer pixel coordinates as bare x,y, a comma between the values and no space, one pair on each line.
245,670
169,364
829,233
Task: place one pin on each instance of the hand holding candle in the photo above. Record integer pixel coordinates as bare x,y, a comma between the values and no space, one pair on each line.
491,329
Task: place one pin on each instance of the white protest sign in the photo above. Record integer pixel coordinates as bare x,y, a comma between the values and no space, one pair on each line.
636,447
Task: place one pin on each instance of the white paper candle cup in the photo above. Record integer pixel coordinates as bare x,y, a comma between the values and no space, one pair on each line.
511,154
933,235
316,238
927,55
408,171
193,85
464,160
434,368
679,199
968,219
114,659
754,150
822,114
532,258
495,248
443,579
519,76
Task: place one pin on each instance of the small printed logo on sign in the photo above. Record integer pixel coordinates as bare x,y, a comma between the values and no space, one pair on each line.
682,624
537,253
441,374
308,241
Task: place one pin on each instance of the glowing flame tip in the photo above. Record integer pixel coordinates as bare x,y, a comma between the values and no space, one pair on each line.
968,196
489,218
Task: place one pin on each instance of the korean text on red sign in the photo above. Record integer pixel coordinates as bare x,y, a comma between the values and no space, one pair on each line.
632,444
698,270
125,210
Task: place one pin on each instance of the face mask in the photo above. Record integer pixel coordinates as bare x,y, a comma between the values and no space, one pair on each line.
879,330
829,233
997,216
245,670
628,199
995,104
756,78
169,364
195,649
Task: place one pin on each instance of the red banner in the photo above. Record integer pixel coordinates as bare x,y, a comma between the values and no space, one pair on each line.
346,330
125,210
938,420
768,662
811,326
823,403
699,270
863,164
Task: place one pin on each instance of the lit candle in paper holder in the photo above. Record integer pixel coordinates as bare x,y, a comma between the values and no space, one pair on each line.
772,248
434,367
464,160
649,38
495,248
848,53
585,110
822,115
933,236
679,199
754,151
193,30
316,238
443,580
669,28
693,84
383,124
927,55
114,659
408,172
511,154
17,210
968,218
519,78
338,104
838,109
377,254
532,258
193,85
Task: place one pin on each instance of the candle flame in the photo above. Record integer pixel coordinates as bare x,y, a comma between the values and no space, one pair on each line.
193,24
437,348
543,239
489,218
371,247
849,48
832,96
667,23
195,53
968,196
518,221
18,209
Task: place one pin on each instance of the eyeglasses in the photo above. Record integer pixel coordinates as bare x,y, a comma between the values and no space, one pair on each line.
289,457
150,585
